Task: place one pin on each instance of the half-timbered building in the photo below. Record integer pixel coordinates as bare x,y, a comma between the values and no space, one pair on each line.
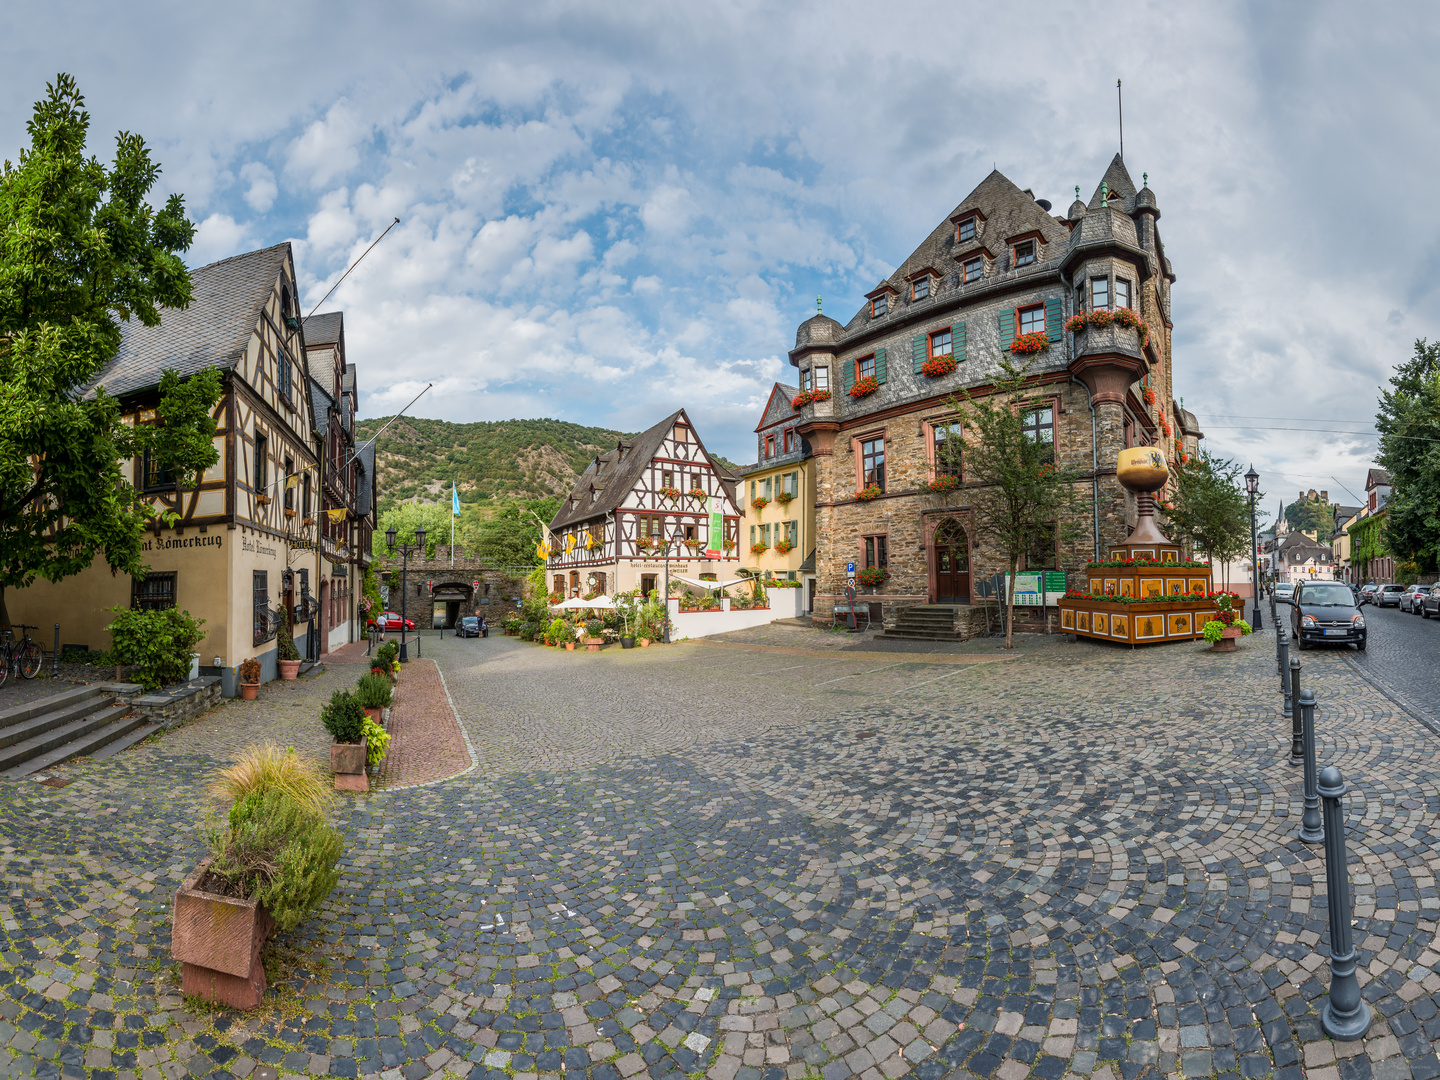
245,546
659,489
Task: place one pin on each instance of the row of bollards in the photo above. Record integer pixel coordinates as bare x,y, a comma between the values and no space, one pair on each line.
1344,1015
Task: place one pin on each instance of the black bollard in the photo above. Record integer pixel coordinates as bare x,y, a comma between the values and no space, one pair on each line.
1297,728
55,657
1285,679
1279,646
1311,827
1345,1016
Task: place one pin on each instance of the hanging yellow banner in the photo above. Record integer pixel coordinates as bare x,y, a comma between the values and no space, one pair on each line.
336,516
590,542
292,481
569,543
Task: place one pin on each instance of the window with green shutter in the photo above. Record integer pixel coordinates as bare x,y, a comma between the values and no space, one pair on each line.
917,352
957,342
1006,323
847,375
795,483
792,532
879,365
752,535
767,487
1052,318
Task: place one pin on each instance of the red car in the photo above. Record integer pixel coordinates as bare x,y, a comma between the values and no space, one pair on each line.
387,621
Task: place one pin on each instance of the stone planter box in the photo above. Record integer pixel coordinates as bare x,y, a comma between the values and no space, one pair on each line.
217,940
347,762
1227,640
592,644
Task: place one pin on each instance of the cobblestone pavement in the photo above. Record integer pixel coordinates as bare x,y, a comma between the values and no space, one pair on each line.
689,860
789,634
1402,656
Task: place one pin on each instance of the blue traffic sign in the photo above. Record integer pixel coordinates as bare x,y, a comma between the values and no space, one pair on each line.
849,567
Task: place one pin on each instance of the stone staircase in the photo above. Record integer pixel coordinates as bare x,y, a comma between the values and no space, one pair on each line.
85,721
935,622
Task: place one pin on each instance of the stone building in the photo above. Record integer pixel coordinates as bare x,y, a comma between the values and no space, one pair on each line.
438,591
999,267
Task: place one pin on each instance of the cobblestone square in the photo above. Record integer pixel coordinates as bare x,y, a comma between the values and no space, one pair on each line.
756,861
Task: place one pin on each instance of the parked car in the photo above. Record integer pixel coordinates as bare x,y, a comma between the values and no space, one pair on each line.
389,620
1367,593
1284,592
1389,595
469,626
1410,598
1325,611
1430,602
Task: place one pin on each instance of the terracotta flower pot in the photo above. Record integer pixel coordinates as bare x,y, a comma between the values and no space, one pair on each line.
217,940
289,669
569,646
347,762
644,642
249,691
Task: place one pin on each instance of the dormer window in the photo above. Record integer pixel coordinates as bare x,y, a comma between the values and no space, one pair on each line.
965,231
973,269
594,496
920,288
879,305
1024,253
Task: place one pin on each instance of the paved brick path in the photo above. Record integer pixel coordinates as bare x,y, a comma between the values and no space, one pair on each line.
425,739
760,865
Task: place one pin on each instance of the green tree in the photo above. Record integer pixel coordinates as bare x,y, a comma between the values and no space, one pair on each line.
1409,424
1018,489
508,537
1210,509
1313,516
406,518
80,248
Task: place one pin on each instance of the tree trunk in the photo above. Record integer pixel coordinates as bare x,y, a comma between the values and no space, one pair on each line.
1010,605
4,611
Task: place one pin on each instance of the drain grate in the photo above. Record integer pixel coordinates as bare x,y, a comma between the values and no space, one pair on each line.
55,781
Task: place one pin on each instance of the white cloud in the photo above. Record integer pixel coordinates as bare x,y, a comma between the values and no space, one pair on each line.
329,147
218,237
263,189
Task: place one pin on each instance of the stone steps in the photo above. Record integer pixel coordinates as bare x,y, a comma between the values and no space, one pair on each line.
73,723
926,622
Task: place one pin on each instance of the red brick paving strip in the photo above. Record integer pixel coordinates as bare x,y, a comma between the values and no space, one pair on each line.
354,653
425,739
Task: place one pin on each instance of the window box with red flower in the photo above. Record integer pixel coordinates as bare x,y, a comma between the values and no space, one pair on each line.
759,548
1149,396
805,397
864,387
938,367
644,543
760,503
1075,323
671,493
697,493
784,498
1030,344
870,491
783,547
945,482
871,575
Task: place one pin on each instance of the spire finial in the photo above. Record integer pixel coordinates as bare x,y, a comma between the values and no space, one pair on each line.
1077,191
818,309
1145,176
1104,193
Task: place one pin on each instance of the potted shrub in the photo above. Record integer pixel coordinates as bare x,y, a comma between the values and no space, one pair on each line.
377,741
344,719
288,656
592,639
374,694
273,859
249,679
627,608
1223,630
156,645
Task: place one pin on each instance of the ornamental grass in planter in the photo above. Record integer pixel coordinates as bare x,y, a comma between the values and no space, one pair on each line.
273,859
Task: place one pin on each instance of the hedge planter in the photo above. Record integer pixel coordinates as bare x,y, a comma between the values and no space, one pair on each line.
347,762
289,669
217,940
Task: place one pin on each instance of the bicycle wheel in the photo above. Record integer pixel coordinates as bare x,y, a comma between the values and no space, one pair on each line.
32,657
4,663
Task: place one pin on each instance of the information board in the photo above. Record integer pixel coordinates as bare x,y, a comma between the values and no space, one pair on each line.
1032,588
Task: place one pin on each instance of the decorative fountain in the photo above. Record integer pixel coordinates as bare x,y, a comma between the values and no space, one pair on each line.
1145,592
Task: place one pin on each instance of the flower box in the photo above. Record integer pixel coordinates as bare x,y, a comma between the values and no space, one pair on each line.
697,493
872,491
759,549
871,575
944,483
262,500
671,493
938,366
347,762
217,940
864,387
784,498
760,503
783,547
805,397
1030,344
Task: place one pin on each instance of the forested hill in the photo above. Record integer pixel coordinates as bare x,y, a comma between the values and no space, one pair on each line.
524,459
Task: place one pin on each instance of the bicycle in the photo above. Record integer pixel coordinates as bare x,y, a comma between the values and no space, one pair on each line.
25,656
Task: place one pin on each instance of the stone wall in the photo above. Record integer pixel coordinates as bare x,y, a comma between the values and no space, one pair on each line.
498,586
177,704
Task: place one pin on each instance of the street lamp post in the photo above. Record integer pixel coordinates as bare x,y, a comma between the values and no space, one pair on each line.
669,543
1252,485
405,552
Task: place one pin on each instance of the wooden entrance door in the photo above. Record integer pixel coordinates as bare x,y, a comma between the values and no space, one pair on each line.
952,564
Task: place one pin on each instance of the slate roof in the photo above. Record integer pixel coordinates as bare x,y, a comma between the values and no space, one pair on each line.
212,332
365,481
1376,477
1117,181
1008,211
616,476
321,402
324,329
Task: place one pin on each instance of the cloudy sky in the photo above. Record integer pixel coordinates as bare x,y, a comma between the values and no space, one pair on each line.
611,210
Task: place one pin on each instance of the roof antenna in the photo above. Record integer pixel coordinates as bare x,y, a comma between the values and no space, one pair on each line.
1120,101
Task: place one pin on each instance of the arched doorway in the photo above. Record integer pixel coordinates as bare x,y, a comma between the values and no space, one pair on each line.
450,601
952,564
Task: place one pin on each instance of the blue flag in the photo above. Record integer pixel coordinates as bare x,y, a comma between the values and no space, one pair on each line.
454,499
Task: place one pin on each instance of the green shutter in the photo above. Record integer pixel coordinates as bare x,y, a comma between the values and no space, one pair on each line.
957,342
918,352
847,376
1006,323
1052,318
795,483
752,535
879,365
767,487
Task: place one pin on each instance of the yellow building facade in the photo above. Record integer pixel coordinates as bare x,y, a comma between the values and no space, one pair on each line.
777,498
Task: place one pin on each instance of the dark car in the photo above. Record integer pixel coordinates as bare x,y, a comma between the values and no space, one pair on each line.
1389,595
1430,602
469,626
1325,611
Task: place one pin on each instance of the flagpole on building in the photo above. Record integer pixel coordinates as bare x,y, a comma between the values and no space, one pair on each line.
454,503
